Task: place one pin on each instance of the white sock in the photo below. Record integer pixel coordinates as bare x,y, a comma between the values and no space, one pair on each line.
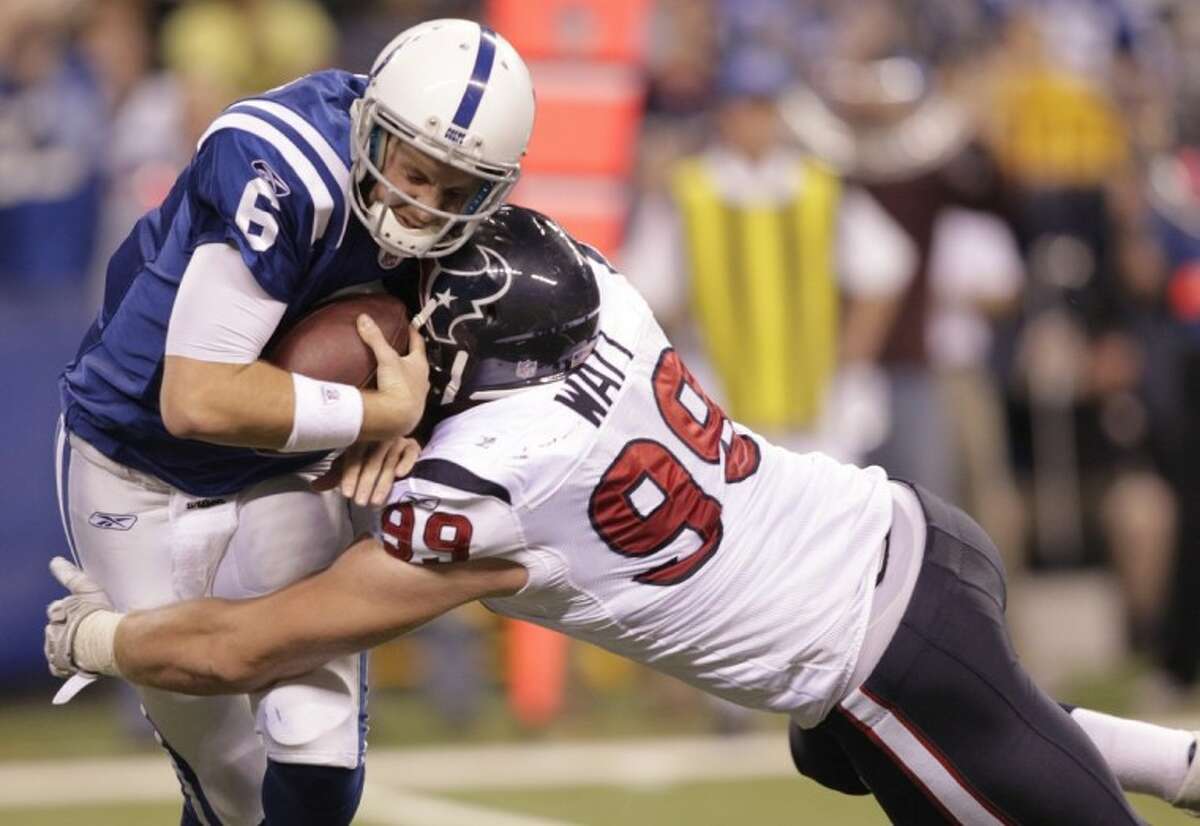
1146,758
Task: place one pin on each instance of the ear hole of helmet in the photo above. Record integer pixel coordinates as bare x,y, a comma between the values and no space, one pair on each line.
377,145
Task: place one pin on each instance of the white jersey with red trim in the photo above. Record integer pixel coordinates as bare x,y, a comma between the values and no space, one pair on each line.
653,526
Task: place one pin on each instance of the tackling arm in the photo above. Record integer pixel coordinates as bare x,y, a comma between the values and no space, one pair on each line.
213,646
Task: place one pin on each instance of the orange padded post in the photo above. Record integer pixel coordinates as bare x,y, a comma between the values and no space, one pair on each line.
537,669
587,119
591,208
604,30
585,57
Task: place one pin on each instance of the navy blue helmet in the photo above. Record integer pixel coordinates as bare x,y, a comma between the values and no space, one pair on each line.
517,305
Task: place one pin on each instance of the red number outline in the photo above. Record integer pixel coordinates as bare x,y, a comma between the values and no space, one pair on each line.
617,521
705,439
401,533
611,511
460,547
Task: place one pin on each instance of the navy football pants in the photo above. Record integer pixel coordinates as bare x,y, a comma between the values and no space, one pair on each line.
949,728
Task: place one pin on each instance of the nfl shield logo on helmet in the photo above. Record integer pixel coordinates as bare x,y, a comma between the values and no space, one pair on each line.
526,369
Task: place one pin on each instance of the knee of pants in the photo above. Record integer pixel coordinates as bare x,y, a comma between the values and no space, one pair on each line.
318,719
311,795
216,754
818,756
189,816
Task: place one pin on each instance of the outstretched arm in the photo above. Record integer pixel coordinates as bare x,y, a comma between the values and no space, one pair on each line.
215,646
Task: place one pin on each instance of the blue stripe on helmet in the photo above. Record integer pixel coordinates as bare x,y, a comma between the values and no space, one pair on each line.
484,59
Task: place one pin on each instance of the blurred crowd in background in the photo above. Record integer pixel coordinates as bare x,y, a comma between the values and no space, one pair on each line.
958,238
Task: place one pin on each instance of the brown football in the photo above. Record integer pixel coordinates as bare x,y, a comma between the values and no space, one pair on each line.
324,344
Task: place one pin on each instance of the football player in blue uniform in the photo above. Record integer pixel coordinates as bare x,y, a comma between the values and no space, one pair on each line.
185,461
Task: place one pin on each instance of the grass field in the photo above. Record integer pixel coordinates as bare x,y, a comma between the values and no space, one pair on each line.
763,802
74,765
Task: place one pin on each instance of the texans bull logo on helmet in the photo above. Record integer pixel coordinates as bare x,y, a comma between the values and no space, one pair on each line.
453,294
517,306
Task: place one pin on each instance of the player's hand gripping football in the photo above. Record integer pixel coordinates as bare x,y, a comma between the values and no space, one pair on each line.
402,380
64,616
366,470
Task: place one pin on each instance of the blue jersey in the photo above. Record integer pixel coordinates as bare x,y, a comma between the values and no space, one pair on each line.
271,178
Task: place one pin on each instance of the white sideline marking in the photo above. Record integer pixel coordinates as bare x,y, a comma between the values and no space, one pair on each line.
609,763
393,807
148,778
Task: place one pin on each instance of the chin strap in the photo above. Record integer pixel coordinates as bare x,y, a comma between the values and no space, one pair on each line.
418,321
450,394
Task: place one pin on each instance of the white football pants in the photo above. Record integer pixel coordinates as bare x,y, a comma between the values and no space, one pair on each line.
149,544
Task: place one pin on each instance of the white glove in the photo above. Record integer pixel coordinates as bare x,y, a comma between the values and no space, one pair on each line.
69,652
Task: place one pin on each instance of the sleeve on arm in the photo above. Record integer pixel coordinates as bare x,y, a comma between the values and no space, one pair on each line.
875,256
248,192
222,313
430,523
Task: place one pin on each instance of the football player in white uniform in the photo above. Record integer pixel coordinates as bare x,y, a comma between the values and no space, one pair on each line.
578,477
184,459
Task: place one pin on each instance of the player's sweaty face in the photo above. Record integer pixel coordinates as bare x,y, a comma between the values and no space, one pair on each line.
426,180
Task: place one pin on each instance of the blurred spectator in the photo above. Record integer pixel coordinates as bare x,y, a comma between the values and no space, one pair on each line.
754,247
1078,348
452,665
1067,109
975,276
366,26
52,131
1181,19
149,140
1084,37
1181,651
875,112
1053,122
225,49
682,58
1173,193
795,30
680,75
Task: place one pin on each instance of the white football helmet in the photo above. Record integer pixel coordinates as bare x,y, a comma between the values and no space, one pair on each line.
458,92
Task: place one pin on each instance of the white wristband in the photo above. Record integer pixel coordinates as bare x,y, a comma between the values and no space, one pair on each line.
326,415
92,647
